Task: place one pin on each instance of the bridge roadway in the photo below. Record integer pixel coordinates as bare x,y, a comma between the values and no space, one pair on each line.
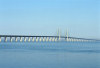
57,37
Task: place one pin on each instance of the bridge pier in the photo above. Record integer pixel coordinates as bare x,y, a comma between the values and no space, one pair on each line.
47,39
77,40
29,39
81,40
43,39
70,40
24,39
0,39
5,39
59,38
16,39
55,39
86,40
74,40
20,39
10,39
36,39
40,39
33,39
67,39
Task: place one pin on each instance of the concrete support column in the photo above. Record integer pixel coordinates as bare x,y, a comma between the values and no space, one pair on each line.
33,39
21,39
0,39
65,39
10,39
79,40
43,39
40,39
5,39
50,39
53,39
69,39
36,39
16,39
72,39
47,39
59,37
82,40
75,40
87,40
24,39
29,39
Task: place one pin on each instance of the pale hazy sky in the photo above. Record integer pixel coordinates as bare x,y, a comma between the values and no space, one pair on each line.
44,17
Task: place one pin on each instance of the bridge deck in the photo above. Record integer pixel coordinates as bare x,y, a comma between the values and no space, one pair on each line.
46,36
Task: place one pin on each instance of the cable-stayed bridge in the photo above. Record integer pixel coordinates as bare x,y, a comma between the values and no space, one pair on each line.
24,38
29,38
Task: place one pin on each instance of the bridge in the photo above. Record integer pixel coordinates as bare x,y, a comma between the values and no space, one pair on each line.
24,38
29,38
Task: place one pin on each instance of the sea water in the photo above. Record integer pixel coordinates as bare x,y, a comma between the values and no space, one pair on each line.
50,55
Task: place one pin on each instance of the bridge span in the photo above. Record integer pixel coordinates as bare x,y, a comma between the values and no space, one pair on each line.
29,38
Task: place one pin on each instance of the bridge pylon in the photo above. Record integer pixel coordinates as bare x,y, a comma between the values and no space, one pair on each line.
58,33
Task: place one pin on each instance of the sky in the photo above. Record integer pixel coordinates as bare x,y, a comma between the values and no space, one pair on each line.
81,18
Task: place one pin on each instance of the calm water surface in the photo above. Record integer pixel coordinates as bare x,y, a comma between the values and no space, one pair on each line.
50,55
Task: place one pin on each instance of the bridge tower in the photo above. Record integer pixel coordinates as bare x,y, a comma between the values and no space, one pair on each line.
58,33
66,35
